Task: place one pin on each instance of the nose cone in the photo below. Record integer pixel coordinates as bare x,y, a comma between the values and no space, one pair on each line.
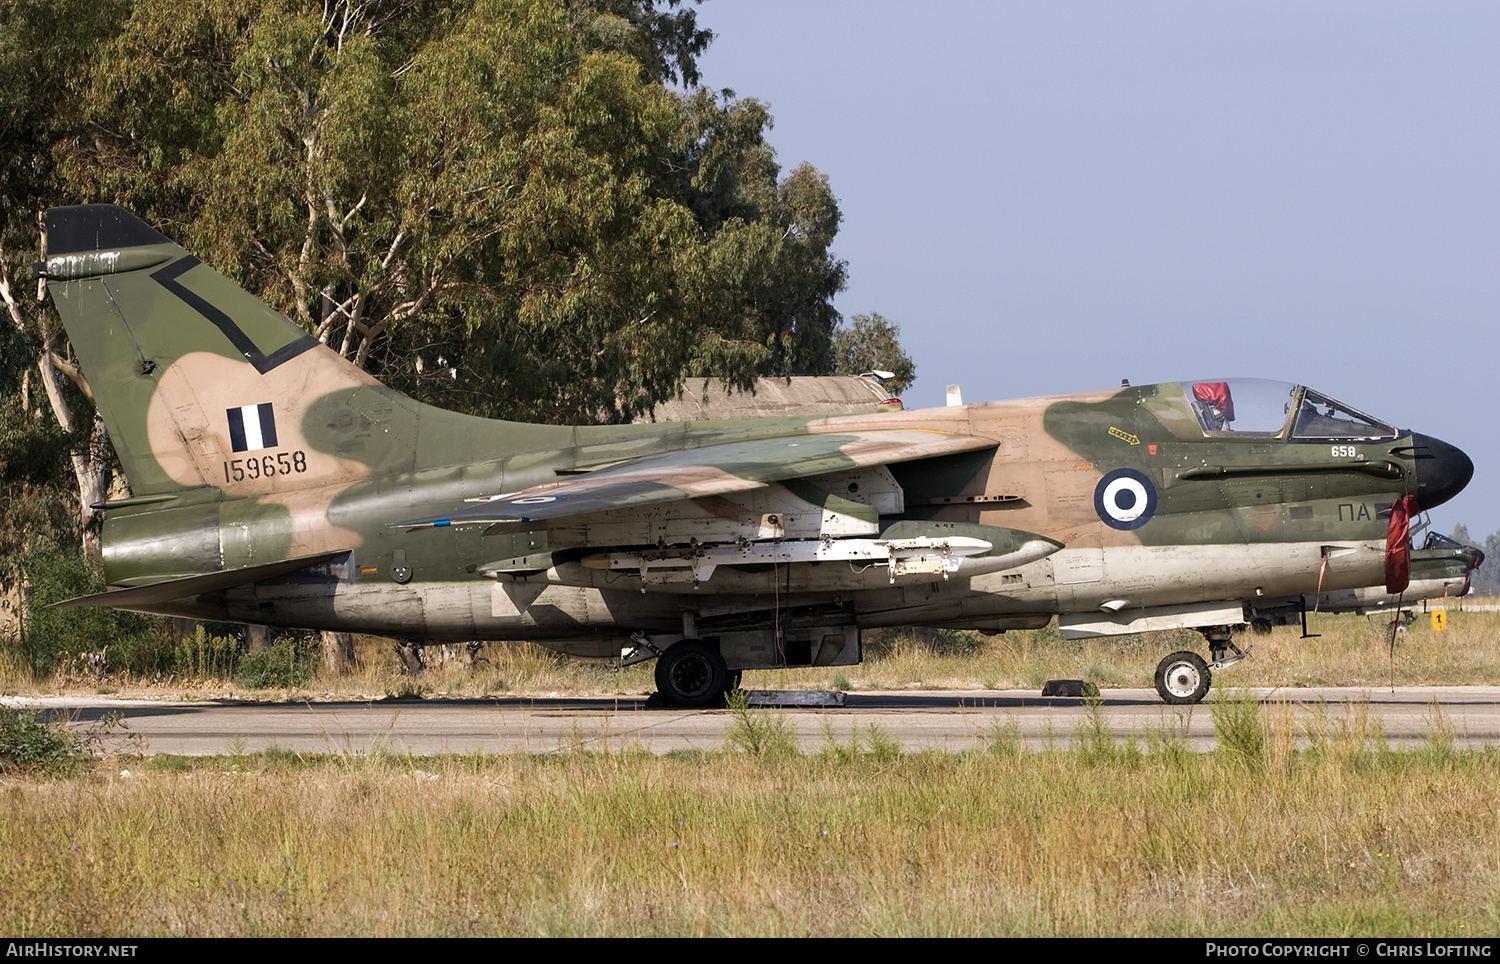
1442,470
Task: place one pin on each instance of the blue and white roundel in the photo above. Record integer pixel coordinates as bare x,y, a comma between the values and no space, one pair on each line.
1125,499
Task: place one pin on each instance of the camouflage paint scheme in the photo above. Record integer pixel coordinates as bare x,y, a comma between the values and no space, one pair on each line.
1441,569
273,482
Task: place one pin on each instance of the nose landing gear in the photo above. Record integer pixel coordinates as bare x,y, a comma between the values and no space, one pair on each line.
1184,677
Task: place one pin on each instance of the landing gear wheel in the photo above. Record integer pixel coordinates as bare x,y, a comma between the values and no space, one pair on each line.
691,673
1183,678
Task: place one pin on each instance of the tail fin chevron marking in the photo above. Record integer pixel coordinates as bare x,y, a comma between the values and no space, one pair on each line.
167,278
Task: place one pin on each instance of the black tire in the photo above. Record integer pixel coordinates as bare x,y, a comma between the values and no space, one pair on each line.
1183,678
1260,627
691,673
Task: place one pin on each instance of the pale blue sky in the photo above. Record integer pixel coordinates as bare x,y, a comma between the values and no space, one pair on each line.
1052,196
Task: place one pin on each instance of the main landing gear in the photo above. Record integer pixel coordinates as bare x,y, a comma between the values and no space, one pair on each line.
691,673
1184,677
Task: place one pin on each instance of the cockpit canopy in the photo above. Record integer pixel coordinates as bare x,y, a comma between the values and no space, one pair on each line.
1256,408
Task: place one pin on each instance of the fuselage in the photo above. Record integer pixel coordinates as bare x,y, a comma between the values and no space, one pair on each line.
1152,510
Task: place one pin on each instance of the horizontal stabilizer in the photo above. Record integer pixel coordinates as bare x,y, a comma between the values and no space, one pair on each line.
711,470
188,586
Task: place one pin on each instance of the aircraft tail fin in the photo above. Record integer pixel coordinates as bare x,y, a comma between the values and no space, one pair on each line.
199,382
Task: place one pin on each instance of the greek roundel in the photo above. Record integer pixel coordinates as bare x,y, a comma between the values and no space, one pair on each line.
1125,499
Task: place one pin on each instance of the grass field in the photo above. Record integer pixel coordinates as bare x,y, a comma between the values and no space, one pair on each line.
1320,830
1342,838
1350,651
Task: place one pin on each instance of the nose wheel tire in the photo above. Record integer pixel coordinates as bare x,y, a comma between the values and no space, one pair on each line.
1183,678
691,673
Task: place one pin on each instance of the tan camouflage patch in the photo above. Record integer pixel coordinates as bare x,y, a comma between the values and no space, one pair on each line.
193,403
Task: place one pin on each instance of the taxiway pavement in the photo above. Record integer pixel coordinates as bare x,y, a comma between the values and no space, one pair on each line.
945,720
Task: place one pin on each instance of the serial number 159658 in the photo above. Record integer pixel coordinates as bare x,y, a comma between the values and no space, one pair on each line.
266,466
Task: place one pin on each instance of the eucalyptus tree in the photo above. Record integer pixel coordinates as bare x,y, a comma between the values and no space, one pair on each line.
522,208
873,343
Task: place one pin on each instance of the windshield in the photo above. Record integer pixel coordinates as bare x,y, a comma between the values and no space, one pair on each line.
1320,417
1436,540
1257,408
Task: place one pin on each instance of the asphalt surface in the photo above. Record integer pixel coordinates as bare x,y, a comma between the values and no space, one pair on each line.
946,720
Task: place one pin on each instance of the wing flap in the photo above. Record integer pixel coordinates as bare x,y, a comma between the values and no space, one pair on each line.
712,470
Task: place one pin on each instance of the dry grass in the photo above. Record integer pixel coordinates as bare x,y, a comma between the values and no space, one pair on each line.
1350,651
1339,837
1345,838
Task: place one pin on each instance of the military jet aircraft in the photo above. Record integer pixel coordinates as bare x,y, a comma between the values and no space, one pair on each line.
275,483
1442,569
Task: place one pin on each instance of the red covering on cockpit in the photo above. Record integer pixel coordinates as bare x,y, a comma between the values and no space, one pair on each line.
1217,395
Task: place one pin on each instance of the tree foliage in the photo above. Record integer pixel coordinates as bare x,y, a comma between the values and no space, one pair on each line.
514,208
873,343
497,205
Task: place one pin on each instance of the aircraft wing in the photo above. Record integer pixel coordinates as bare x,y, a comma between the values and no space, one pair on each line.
181,587
710,470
